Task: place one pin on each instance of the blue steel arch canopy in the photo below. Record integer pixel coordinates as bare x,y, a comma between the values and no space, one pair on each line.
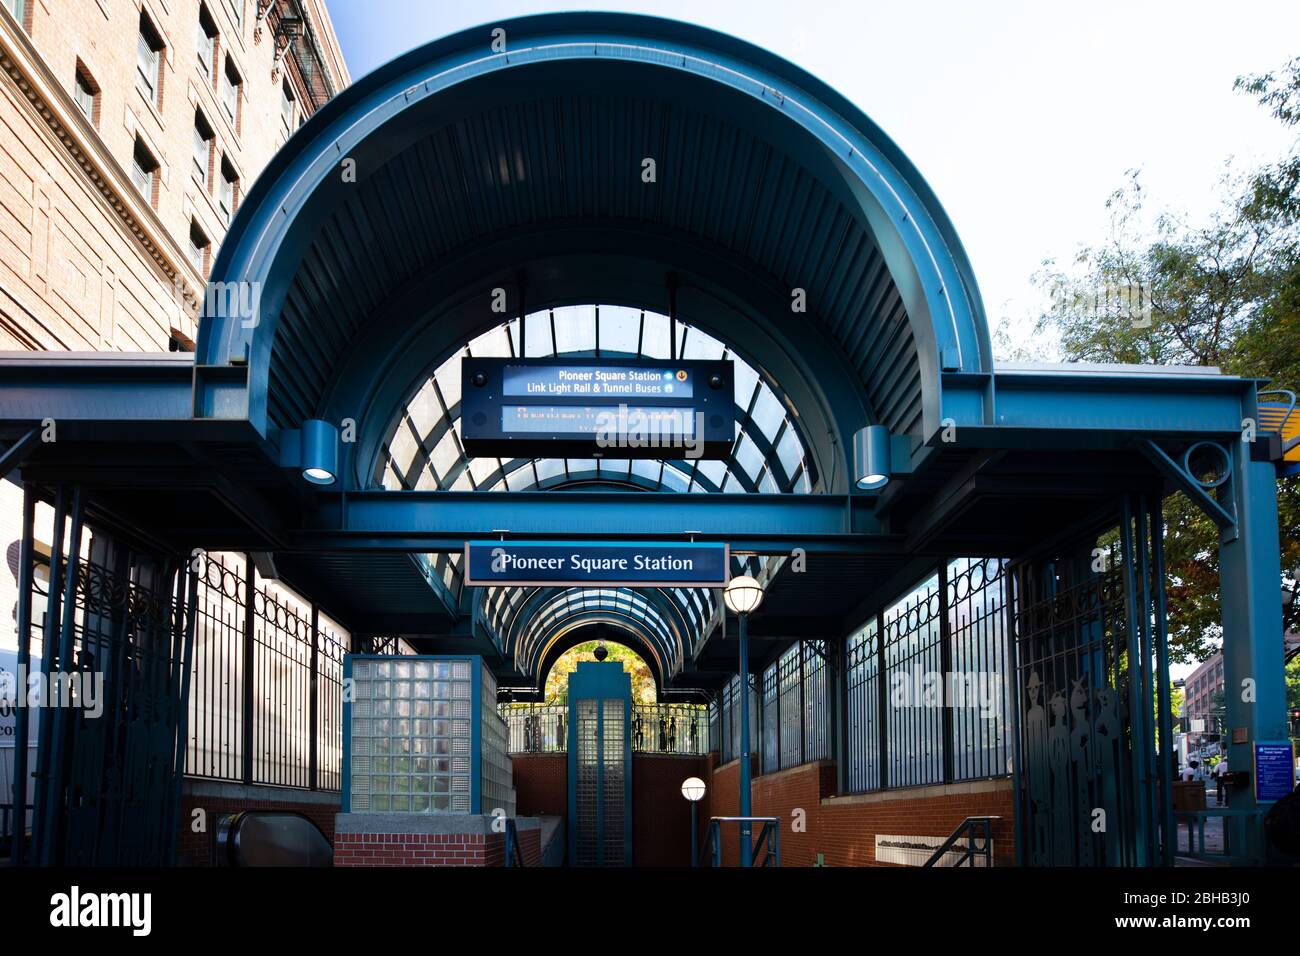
374,241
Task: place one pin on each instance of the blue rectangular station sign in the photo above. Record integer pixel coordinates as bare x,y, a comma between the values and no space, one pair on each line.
1274,770
597,408
580,563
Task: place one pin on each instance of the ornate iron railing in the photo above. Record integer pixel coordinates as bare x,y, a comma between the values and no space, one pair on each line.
656,728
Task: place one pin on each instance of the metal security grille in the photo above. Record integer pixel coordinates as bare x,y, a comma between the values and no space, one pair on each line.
1089,631
331,646
795,714
978,665
771,715
109,620
217,672
613,738
863,709
816,739
931,702
588,782
729,718
277,730
1070,661
914,746
282,651
791,707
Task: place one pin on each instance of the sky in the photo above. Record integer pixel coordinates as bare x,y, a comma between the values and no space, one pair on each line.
1023,117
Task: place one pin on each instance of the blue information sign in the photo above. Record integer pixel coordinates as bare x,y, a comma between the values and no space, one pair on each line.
634,564
604,381
598,408
1274,770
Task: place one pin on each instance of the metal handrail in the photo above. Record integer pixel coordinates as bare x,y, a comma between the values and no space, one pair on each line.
514,854
769,840
1235,822
666,728
1286,417
968,828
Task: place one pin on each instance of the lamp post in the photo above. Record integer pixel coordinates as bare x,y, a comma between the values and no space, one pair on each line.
742,596
693,790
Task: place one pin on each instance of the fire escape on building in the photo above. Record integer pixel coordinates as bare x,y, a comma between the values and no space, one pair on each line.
289,23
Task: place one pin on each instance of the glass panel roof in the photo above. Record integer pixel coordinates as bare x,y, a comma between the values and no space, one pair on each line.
423,450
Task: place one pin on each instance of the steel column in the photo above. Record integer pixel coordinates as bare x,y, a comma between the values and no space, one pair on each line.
313,758
1161,637
746,798
1250,580
23,716
250,590
53,798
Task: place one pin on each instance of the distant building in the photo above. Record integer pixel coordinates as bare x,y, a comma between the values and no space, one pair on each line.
130,131
1203,702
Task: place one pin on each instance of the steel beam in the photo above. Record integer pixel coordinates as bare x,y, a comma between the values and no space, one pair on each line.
444,520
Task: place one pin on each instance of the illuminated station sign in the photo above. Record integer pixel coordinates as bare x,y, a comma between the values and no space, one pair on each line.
597,408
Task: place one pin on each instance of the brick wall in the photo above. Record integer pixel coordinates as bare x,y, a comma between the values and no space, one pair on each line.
844,829
661,817
541,784
433,849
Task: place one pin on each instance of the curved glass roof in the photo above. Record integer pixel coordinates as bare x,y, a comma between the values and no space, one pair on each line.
423,451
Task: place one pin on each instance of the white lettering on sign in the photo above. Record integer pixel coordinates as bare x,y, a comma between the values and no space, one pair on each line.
504,561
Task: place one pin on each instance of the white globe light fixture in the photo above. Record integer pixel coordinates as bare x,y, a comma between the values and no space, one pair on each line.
693,789
743,595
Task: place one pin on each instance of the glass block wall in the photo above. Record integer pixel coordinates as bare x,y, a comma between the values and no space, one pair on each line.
416,739
498,784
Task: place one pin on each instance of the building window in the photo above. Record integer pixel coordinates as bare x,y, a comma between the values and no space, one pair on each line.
236,11
203,140
86,92
144,171
206,42
199,248
227,190
19,10
230,84
286,106
148,62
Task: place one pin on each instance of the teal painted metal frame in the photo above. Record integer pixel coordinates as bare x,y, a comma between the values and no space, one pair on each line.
600,682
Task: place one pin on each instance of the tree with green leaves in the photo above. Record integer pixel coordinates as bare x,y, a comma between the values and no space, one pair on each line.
1225,293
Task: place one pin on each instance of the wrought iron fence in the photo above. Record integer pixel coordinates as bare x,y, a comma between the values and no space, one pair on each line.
656,728
536,728
727,740
253,715
670,729
795,718
108,626
215,747
928,683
